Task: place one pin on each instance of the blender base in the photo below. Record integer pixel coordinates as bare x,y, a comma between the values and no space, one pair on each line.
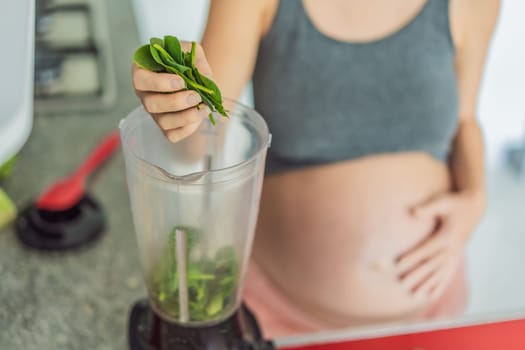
147,331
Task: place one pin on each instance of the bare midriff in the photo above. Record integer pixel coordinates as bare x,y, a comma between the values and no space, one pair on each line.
328,236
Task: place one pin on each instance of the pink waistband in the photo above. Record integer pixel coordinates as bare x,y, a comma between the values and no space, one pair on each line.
277,315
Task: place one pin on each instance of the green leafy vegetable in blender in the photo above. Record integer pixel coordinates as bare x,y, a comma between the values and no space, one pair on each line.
211,281
167,56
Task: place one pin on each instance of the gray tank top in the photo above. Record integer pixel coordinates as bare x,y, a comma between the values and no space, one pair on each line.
327,101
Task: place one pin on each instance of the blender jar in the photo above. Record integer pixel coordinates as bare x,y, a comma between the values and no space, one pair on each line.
195,205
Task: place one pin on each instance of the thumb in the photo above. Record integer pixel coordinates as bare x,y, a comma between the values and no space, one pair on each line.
437,206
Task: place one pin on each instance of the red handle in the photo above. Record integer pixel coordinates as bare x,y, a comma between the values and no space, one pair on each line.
98,156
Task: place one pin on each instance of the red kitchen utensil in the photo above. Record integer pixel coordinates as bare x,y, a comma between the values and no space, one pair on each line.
67,192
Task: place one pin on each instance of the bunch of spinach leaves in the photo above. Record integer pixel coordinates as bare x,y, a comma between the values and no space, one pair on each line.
211,282
167,56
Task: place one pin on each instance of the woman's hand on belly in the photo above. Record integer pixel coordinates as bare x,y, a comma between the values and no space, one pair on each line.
328,237
427,268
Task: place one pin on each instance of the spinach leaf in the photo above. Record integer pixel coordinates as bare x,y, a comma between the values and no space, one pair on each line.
164,59
187,59
192,54
172,45
143,59
156,56
208,102
168,60
157,41
215,96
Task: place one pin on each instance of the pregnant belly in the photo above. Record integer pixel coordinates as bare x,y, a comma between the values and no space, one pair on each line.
328,236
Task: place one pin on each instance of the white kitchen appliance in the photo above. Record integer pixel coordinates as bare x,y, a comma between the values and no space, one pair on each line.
17,20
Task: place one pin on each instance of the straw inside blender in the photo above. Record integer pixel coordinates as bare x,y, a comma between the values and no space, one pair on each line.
206,205
181,244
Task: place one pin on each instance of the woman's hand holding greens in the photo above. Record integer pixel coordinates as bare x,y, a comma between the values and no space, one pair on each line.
177,97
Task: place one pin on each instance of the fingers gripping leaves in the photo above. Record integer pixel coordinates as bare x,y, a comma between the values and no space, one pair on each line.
167,56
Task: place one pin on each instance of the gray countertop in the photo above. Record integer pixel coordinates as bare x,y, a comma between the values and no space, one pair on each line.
80,299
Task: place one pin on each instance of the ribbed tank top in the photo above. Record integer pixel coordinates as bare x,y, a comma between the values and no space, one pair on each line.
327,101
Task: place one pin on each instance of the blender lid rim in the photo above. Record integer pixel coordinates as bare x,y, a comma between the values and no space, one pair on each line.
171,179
195,176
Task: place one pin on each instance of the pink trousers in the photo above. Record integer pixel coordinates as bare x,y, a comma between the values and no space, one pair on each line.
279,317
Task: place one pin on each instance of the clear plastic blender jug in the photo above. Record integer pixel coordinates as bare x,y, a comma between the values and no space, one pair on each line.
195,205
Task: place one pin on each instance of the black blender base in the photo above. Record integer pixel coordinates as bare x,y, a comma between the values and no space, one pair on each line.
147,331
61,230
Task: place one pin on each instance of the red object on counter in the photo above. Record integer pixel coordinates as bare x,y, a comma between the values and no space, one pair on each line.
506,335
67,192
